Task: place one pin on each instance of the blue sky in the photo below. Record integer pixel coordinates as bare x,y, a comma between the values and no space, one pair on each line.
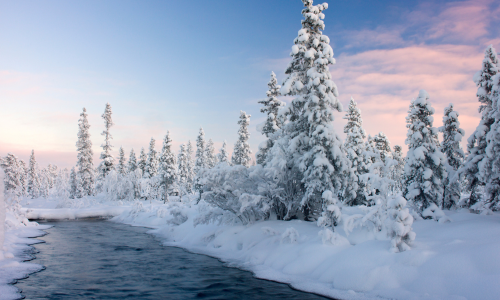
179,65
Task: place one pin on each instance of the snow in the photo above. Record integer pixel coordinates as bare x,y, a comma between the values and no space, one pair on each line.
453,260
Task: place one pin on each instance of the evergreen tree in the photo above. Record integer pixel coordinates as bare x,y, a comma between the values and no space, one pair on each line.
398,169
44,182
168,168
108,161
24,177
354,147
425,167
132,162
73,191
122,168
242,152
315,148
223,156
85,156
151,169
201,160
183,168
452,136
271,106
33,179
477,141
490,169
383,146
211,158
12,179
52,171
143,160
190,167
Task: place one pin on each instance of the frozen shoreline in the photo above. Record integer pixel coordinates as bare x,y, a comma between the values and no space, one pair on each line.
456,260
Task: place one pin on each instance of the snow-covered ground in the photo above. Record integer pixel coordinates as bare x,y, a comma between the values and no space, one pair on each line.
452,260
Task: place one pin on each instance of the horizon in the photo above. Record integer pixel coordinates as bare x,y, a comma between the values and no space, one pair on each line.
59,57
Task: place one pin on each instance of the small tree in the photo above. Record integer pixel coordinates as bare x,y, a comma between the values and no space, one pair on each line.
132,162
223,156
122,168
190,167
242,152
452,136
425,167
151,169
383,146
143,161
200,158
397,169
211,158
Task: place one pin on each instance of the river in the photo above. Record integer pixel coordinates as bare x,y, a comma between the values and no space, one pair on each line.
95,259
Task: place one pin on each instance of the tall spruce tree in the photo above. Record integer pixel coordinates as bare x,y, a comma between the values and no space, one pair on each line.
168,168
425,167
273,123
452,136
183,169
477,143
354,147
122,162
108,161
242,152
12,179
85,156
34,183
316,148
490,170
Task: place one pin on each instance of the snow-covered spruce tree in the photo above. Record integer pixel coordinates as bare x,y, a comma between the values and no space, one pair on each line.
23,168
310,131
151,169
132,162
271,106
211,158
223,156
476,143
490,169
383,146
397,169
73,189
44,182
452,136
108,162
182,170
12,178
62,184
33,178
85,156
190,168
168,168
200,158
52,171
143,161
242,152
122,161
400,230
354,147
425,167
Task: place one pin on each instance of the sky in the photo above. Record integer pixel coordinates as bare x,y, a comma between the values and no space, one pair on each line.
182,65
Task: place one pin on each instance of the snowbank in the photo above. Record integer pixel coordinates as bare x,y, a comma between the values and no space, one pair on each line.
453,260
15,251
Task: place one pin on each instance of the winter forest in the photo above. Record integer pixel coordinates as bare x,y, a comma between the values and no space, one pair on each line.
360,188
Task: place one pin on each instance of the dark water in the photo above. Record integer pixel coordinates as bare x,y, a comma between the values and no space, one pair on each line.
105,260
